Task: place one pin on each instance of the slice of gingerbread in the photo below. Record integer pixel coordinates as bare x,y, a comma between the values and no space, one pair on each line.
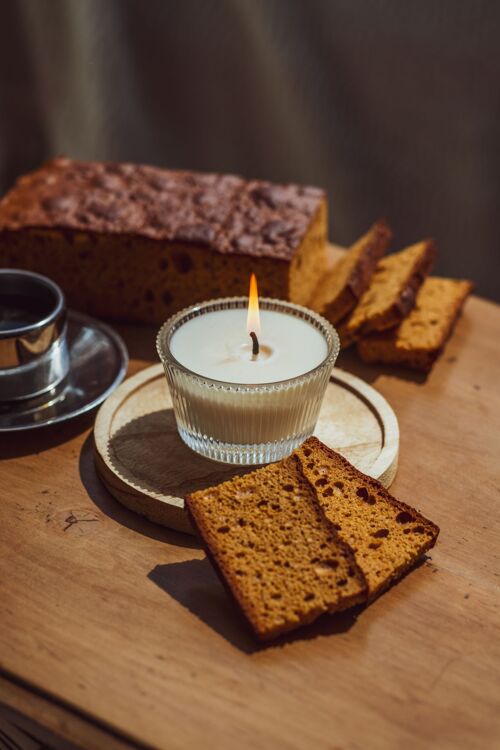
391,294
340,290
386,535
274,550
419,340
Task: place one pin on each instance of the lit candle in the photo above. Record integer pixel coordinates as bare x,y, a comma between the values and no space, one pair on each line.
247,383
218,345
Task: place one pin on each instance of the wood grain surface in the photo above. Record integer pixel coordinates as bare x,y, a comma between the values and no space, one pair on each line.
114,625
146,466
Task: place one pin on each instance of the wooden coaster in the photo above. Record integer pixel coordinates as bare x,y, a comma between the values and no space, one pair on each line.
146,466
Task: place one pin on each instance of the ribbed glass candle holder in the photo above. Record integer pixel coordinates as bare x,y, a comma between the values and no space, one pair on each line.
245,423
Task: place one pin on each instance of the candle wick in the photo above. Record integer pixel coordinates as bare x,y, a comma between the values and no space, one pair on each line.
255,344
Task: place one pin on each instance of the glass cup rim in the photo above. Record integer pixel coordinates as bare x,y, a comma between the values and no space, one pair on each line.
328,330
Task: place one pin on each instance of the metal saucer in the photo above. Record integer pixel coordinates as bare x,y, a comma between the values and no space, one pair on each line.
98,363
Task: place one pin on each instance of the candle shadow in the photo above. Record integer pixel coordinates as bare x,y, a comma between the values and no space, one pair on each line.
196,586
108,505
148,452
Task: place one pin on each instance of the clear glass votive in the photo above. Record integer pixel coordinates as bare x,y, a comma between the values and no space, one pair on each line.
240,423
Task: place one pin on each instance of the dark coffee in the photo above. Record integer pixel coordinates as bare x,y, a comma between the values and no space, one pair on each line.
19,310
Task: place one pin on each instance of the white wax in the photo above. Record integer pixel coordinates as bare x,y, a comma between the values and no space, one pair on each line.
217,346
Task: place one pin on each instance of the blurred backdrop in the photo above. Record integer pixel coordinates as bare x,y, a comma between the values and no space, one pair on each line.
391,106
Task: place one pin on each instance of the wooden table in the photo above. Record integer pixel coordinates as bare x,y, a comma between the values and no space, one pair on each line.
115,633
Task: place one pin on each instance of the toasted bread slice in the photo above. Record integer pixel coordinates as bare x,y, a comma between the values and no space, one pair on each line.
391,294
274,549
340,290
386,536
419,340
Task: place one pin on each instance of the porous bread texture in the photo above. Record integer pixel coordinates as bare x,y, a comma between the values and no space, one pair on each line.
138,279
278,555
391,294
309,262
419,340
340,290
386,535
145,281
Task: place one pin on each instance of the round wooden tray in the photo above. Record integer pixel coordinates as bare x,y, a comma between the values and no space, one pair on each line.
146,466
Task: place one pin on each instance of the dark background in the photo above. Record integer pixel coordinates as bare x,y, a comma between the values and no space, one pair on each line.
392,106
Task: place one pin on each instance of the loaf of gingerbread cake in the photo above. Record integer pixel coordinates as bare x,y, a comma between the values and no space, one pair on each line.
137,243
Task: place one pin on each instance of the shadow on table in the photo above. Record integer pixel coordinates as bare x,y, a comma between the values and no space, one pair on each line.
32,442
112,508
195,585
350,361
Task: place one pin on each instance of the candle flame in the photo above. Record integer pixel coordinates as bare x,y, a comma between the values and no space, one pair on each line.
253,318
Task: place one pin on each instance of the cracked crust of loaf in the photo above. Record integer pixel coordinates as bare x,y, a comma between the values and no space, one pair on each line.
136,243
391,294
340,290
386,535
276,553
420,339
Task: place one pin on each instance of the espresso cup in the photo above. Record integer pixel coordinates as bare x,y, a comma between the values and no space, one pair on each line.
34,355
